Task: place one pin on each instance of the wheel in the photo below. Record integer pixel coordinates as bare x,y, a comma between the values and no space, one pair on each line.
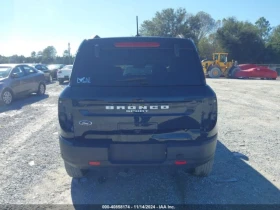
74,172
41,89
60,81
7,97
215,72
203,170
232,72
50,79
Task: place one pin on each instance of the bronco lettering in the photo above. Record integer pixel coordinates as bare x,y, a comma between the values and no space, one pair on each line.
140,108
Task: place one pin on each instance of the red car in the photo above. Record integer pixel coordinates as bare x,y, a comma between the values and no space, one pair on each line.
254,71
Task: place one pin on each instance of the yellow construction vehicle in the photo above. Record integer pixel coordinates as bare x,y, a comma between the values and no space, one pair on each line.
219,66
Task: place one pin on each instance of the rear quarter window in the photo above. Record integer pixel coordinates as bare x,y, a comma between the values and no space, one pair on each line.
136,67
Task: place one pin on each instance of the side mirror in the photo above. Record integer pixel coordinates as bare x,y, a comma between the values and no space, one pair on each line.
14,75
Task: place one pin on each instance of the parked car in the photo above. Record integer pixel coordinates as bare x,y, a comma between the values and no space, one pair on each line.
254,71
54,69
43,68
64,74
19,79
137,101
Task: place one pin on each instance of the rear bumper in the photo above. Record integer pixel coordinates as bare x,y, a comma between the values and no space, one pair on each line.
79,154
64,77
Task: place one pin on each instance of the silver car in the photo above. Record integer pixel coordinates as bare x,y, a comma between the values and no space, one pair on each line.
43,68
19,79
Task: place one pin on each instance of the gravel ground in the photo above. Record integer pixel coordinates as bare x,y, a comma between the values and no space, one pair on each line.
246,169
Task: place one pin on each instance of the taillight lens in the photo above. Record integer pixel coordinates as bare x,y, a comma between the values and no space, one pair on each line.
210,118
66,122
64,116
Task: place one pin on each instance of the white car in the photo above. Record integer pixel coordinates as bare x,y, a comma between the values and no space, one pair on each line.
64,74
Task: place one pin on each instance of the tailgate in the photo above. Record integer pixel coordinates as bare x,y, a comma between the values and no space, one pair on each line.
174,114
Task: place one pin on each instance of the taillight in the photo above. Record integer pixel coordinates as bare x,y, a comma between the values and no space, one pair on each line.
137,44
65,117
209,118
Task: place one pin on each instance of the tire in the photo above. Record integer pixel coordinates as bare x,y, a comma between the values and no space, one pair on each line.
50,78
74,172
203,170
229,73
41,89
232,72
60,81
7,97
214,72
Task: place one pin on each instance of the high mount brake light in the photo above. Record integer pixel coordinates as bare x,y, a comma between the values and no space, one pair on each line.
94,163
137,44
180,162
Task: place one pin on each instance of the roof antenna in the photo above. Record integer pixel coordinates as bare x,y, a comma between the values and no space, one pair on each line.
137,26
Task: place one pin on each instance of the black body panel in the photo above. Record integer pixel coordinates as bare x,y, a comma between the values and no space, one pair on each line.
137,101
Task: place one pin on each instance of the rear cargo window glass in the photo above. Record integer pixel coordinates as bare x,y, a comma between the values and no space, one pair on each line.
134,67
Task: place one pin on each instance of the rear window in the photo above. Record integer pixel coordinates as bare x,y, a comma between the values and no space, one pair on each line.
136,67
68,67
5,71
51,67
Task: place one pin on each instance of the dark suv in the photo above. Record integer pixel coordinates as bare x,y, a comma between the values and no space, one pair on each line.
137,101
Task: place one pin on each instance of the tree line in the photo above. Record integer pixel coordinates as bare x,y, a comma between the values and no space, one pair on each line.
245,42
46,56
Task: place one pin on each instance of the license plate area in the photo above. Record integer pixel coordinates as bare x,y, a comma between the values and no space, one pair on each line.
137,128
137,153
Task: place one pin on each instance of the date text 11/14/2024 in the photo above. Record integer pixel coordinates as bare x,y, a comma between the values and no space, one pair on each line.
138,207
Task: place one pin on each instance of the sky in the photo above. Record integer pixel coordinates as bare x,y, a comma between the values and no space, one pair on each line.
32,25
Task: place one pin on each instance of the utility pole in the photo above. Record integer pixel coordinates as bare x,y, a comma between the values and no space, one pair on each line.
69,53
